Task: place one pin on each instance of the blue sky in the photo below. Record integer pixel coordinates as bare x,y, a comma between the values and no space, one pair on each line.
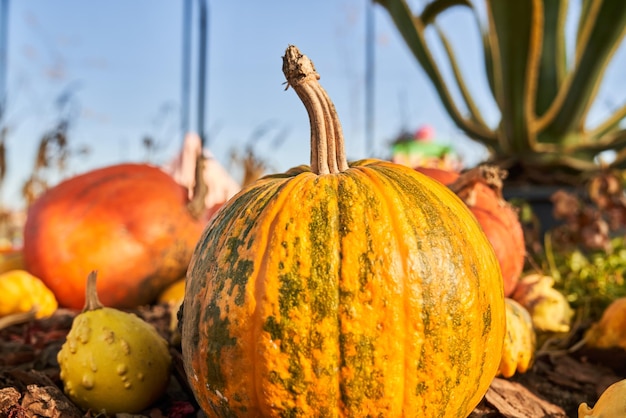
122,61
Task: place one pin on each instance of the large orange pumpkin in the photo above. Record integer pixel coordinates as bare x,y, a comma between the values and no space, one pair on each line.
129,222
361,289
497,217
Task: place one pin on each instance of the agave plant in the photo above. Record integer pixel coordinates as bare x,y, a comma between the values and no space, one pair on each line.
543,95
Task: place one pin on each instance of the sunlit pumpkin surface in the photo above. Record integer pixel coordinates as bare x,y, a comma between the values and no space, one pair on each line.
369,292
500,222
127,221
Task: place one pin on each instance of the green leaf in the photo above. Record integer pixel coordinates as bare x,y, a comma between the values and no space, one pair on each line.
475,114
620,158
613,140
412,30
610,124
603,29
517,31
489,61
552,67
585,10
436,7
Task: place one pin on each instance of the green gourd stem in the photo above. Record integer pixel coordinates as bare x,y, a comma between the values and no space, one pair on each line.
327,143
91,294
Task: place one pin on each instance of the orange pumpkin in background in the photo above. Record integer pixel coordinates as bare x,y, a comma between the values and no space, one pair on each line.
130,222
443,176
480,189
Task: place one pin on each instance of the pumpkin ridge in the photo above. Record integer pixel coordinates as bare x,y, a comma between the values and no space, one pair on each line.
243,244
423,287
364,176
205,263
275,210
355,349
323,296
396,220
271,207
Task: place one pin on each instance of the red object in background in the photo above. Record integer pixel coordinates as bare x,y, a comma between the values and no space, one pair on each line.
425,133
129,222
498,219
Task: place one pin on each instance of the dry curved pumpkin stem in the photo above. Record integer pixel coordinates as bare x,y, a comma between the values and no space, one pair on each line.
17,318
92,302
327,143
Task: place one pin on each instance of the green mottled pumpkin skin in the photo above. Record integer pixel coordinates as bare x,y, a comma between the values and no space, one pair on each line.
370,292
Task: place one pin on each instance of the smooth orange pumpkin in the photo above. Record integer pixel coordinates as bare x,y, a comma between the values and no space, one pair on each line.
497,217
609,331
361,289
129,222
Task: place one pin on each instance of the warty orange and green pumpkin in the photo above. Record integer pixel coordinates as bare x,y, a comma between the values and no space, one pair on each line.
361,289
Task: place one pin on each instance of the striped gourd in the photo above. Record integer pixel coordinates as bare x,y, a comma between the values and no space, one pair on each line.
336,290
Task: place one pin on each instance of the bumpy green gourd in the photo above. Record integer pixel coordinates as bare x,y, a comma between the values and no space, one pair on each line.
113,360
